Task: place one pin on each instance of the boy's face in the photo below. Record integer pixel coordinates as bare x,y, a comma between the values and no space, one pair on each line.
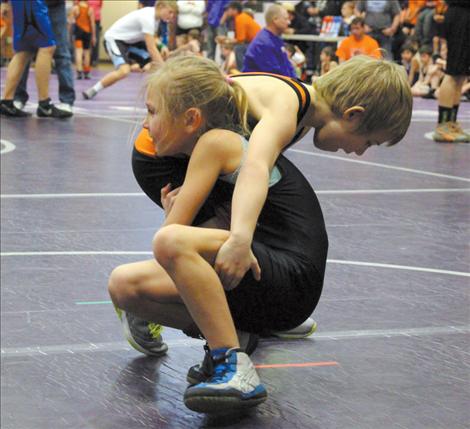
406,55
340,134
165,13
358,31
425,58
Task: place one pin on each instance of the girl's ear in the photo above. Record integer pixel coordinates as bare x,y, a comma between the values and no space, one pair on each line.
193,119
354,113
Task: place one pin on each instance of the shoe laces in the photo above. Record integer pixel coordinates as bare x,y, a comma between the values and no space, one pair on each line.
155,330
222,365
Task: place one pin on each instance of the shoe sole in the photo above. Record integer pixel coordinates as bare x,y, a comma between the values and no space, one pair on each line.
299,336
133,343
221,404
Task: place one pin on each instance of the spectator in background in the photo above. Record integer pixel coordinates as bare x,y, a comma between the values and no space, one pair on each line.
229,66
327,60
62,59
32,33
456,30
382,19
246,28
358,43
347,13
96,5
410,15
85,37
190,16
145,3
430,74
266,53
408,61
215,9
298,23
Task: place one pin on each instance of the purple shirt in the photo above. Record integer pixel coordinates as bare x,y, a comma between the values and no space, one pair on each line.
266,53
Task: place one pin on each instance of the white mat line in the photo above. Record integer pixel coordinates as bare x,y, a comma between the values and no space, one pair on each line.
326,192
376,164
188,342
147,253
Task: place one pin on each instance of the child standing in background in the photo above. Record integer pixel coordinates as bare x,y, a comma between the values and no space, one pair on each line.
85,37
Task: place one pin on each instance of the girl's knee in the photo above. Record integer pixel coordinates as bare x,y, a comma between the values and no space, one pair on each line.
169,243
122,286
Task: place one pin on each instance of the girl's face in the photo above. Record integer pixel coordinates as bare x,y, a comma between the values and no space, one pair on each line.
406,56
170,137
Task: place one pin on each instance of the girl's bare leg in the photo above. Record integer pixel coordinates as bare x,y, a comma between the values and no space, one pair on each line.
187,254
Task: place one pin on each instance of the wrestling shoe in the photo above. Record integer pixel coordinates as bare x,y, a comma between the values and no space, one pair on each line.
143,336
89,93
234,385
7,108
450,132
201,372
47,110
304,330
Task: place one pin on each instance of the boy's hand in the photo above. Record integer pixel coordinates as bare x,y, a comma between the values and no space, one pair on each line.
233,261
168,197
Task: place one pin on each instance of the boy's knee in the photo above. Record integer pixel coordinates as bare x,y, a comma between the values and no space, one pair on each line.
169,244
124,70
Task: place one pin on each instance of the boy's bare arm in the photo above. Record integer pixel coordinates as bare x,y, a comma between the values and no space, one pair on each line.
152,49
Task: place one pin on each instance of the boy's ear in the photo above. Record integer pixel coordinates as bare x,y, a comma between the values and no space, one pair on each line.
354,113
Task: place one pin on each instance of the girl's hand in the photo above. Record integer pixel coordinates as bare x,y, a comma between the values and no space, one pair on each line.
233,261
168,197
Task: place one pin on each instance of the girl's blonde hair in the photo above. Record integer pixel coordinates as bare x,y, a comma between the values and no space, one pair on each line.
380,86
186,82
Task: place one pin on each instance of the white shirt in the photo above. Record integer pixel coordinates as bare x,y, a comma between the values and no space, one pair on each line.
133,27
191,13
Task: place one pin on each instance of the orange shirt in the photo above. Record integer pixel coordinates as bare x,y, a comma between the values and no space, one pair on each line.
413,9
83,19
350,47
246,28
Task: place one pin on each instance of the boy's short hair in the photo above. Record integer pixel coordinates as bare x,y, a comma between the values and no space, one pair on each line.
425,49
378,85
172,4
408,47
235,5
358,21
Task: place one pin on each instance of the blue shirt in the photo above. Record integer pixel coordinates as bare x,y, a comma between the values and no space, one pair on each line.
215,9
266,53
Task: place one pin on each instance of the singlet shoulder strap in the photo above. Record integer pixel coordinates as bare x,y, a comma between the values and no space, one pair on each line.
302,93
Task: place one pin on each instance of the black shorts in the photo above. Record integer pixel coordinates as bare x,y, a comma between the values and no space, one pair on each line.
290,243
84,36
124,53
456,30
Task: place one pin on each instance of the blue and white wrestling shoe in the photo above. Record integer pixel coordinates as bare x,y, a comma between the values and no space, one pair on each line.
233,385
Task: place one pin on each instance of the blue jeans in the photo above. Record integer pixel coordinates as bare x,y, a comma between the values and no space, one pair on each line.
62,58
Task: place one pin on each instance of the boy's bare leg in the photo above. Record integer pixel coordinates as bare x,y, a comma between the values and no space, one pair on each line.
116,75
79,59
187,254
43,71
14,72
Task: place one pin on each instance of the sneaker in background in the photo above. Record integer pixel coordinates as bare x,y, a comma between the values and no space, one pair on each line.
89,93
66,108
47,110
234,385
7,108
447,132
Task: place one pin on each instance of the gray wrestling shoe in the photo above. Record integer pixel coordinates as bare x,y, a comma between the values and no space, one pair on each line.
304,330
203,371
89,93
143,336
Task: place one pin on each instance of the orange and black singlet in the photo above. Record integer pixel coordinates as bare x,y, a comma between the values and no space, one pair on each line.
302,93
